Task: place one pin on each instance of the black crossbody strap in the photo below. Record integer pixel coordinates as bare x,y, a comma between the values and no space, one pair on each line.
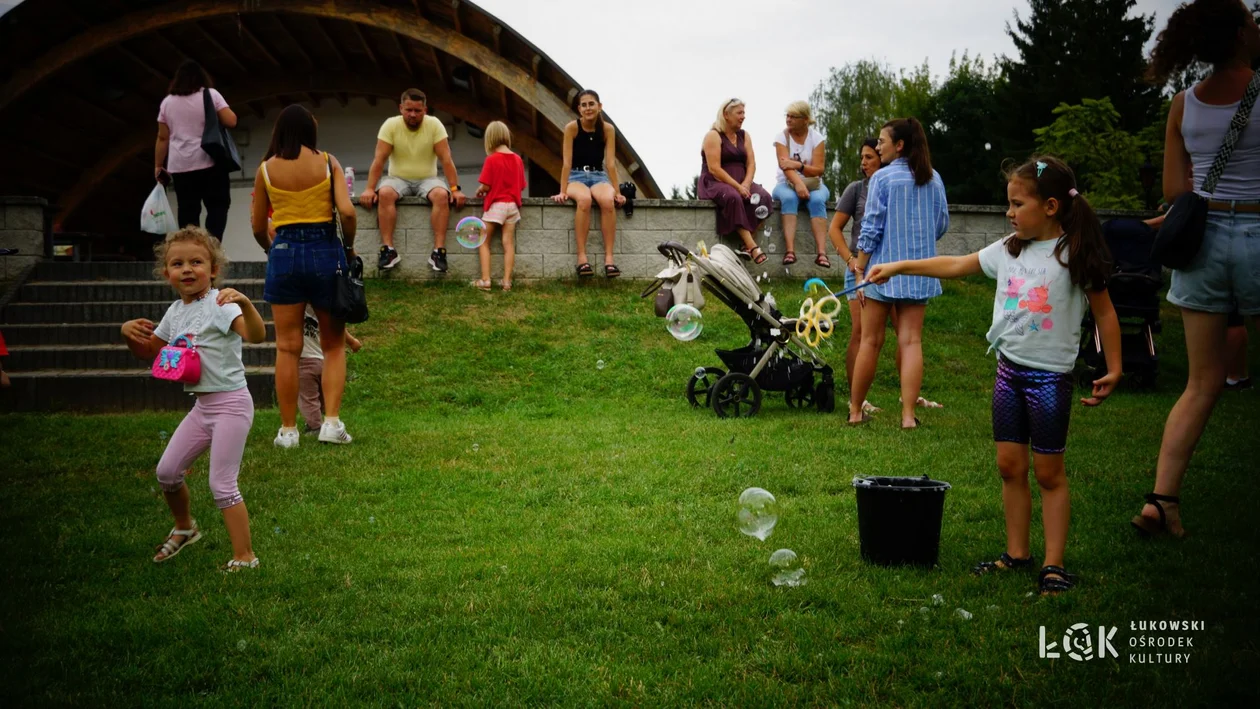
1240,120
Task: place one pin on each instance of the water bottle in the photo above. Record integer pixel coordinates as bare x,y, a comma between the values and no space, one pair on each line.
350,180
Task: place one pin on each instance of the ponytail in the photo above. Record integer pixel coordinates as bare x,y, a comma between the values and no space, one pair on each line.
910,132
1088,258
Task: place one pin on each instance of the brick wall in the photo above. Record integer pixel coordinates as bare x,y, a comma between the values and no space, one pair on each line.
546,246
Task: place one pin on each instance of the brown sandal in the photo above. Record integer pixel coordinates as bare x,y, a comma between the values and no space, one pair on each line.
1150,528
789,258
821,261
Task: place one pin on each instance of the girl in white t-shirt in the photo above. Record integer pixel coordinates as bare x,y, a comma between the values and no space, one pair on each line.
1054,265
215,321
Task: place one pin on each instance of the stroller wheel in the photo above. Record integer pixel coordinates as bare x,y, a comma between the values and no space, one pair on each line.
736,395
700,387
825,395
800,396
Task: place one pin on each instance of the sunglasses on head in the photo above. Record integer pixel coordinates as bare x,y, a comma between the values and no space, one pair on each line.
730,103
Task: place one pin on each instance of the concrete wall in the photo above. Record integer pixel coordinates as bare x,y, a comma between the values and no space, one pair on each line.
546,245
347,132
22,228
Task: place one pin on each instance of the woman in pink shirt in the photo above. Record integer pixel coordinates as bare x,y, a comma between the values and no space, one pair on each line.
181,122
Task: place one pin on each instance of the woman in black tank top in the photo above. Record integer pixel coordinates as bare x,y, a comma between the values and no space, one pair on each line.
589,173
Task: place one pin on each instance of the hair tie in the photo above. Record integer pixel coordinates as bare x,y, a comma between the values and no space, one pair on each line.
1073,193
1041,167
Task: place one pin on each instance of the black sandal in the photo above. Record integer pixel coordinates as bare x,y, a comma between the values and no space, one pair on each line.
584,270
1146,527
611,271
1054,580
1005,562
917,424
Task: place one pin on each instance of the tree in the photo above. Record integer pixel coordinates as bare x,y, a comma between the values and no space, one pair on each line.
688,192
961,135
1107,159
854,101
1071,50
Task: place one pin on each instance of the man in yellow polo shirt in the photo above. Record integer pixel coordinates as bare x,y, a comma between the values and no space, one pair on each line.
413,143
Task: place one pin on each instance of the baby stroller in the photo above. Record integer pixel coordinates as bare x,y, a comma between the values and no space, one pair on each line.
774,359
1134,288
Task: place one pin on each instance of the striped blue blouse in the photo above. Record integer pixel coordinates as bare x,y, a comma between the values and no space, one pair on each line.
903,221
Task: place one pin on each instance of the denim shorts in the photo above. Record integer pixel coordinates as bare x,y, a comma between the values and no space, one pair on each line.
790,202
850,280
874,294
1225,274
590,179
302,265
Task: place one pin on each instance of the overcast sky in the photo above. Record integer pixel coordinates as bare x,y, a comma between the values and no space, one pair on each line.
681,59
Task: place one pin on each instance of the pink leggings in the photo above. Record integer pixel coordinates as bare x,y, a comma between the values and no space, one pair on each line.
219,421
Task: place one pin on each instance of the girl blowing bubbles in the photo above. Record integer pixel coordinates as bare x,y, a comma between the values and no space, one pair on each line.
216,321
1054,263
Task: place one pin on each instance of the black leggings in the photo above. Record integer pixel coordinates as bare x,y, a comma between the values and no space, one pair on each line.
209,185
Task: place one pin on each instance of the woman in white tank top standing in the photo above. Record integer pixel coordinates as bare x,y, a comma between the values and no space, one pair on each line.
1226,271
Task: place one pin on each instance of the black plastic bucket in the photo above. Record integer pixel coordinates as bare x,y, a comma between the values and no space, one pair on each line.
899,519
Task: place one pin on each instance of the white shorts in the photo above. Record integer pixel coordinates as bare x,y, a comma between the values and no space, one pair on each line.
412,188
502,213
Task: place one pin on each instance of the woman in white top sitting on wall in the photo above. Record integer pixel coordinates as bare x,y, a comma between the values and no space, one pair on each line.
1223,273
802,154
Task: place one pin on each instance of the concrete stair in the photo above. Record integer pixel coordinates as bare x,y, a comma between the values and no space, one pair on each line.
66,352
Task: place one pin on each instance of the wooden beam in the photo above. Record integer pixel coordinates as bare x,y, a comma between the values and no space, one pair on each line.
537,123
402,52
219,46
140,62
503,101
342,98
257,108
176,51
332,43
371,99
437,64
262,48
293,38
92,106
32,150
358,32
533,66
315,98
459,26
494,33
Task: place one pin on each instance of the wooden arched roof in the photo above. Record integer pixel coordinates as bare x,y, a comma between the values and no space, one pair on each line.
80,80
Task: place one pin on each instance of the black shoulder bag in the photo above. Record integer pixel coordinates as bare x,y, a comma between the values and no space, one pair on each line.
1181,234
350,297
216,141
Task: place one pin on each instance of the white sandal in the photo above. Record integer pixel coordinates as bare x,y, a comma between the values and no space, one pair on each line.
169,548
234,565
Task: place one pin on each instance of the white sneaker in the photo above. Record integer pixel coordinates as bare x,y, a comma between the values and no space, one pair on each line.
287,439
330,433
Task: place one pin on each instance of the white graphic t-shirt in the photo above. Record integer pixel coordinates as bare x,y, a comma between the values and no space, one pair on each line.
1037,311
210,325
310,335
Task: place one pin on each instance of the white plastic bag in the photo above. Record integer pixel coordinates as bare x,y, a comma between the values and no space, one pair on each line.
157,217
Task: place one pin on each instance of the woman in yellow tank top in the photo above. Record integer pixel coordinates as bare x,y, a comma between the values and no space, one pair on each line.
298,185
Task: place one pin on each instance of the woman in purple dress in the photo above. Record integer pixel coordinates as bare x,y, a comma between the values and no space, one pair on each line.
726,177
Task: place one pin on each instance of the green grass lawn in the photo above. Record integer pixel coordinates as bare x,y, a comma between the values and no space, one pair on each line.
514,526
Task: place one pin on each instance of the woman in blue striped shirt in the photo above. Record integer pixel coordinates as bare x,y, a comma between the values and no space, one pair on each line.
905,215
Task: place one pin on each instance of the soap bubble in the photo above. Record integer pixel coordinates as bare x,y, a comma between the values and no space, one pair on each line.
277,530
772,248
988,146
991,608
755,199
470,232
162,435
758,513
767,232
700,372
762,211
965,615
371,520
684,322
787,569
938,599
240,645
599,364
923,610
476,447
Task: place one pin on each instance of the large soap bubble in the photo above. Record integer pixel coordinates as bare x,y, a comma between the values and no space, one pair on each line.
762,211
758,513
787,568
470,232
755,199
684,322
